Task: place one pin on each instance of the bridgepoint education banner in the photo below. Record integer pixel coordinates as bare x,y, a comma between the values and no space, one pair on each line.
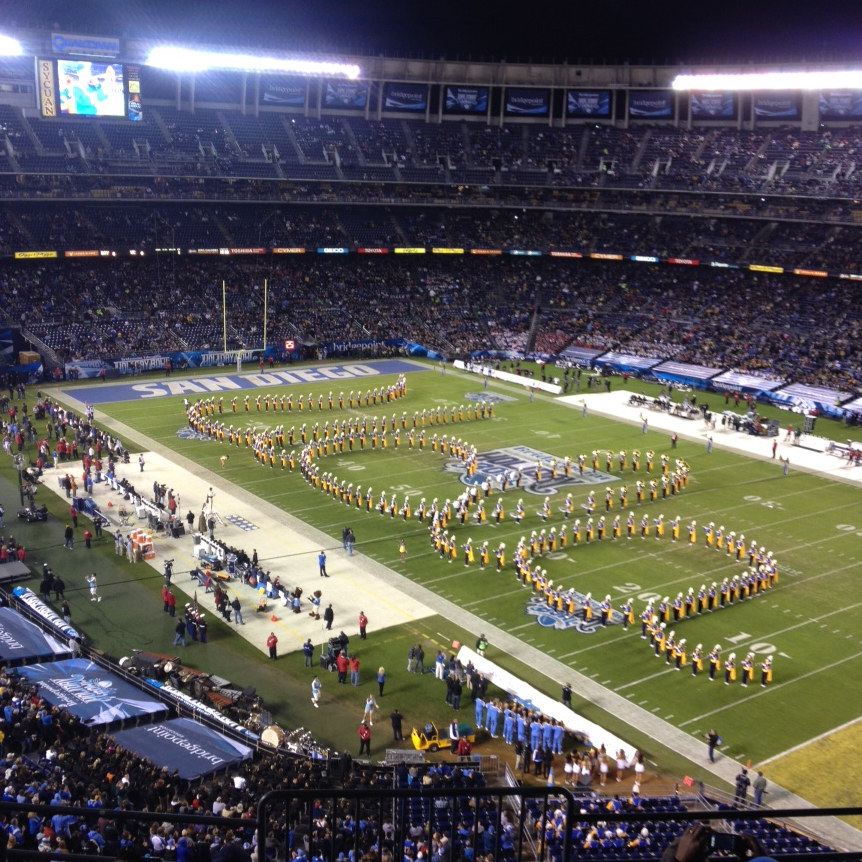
22,642
405,97
289,92
185,746
777,106
652,104
528,102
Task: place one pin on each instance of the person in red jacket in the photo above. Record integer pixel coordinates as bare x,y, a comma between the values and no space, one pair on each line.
364,739
165,601
172,603
363,623
343,666
88,538
272,643
73,514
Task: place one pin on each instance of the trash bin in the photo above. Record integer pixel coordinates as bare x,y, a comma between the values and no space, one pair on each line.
231,564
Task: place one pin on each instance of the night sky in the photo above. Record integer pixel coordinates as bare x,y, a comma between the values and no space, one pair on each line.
539,30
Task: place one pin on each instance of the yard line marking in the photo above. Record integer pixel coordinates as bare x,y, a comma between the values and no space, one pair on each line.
641,703
774,688
525,625
817,738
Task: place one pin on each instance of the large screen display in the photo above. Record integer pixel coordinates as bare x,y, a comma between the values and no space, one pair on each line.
91,89
83,88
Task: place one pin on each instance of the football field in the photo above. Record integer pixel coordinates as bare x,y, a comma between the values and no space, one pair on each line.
810,621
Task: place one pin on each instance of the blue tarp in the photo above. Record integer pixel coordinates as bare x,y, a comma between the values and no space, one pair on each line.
184,745
23,642
90,692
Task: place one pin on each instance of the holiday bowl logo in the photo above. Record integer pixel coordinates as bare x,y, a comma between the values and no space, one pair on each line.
191,434
494,464
488,397
550,617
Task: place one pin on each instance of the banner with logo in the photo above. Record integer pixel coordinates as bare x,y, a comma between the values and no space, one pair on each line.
29,598
581,355
185,746
840,104
47,84
89,46
346,95
23,642
777,106
683,372
651,104
521,101
90,692
588,103
627,363
715,105
800,397
288,92
404,97
466,100
744,381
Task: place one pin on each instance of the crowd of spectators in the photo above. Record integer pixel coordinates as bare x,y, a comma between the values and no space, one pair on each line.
798,328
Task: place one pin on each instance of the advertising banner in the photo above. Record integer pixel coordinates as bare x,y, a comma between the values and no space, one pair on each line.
89,46
717,105
521,101
23,642
746,382
466,100
800,397
683,372
29,598
346,95
840,104
404,97
581,355
588,103
651,104
777,106
91,693
47,84
185,746
626,362
288,92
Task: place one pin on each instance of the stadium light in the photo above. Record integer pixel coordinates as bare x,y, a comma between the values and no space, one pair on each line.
851,80
10,47
189,60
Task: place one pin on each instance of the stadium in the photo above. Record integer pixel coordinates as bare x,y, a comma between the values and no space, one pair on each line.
466,401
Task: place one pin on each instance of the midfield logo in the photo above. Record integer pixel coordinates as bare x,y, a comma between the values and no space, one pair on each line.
551,618
191,434
488,397
492,464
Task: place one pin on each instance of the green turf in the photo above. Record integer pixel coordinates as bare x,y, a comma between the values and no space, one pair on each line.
808,621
